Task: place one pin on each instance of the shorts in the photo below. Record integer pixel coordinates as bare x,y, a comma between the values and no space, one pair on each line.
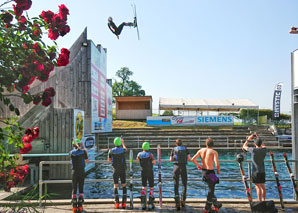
119,174
209,176
258,177
147,176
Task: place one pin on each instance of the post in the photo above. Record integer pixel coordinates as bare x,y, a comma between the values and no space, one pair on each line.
249,176
40,181
108,142
278,141
168,142
227,142
138,142
199,142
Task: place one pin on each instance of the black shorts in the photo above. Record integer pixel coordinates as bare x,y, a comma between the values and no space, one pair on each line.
119,174
258,177
147,176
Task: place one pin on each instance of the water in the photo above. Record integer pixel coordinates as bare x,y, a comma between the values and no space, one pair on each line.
196,189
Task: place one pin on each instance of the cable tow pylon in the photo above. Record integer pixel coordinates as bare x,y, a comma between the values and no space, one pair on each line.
277,180
291,173
159,176
131,178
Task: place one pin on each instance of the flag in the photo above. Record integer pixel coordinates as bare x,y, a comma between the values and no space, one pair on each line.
276,100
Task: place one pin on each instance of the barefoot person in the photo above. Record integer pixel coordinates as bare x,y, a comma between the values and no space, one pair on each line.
258,154
208,157
117,157
180,156
78,158
147,161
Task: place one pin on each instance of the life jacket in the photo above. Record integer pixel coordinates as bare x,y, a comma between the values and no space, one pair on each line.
145,160
180,156
78,159
118,158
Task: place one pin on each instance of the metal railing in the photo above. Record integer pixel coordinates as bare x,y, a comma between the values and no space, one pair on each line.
41,181
200,140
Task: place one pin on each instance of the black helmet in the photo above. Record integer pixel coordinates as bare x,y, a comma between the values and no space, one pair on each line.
239,158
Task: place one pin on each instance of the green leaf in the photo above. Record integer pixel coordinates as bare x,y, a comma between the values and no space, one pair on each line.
11,107
27,98
6,163
6,101
16,110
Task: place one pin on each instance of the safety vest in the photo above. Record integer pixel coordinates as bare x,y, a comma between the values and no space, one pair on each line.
180,156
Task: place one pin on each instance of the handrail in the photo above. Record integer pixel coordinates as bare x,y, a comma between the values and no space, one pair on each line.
199,139
41,181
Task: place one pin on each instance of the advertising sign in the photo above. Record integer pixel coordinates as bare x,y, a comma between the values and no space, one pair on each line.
100,92
78,128
88,142
276,100
189,120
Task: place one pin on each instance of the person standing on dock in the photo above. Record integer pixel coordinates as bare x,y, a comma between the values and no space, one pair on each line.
78,158
180,156
208,157
147,161
258,154
117,157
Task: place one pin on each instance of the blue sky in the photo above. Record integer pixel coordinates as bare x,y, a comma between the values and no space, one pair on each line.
211,49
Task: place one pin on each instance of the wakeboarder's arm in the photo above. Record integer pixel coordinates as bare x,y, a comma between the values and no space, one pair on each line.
198,154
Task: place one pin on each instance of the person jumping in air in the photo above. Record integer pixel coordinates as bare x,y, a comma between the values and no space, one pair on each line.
78,158
208,157
117,157
147,161
180,156
117,30
293,30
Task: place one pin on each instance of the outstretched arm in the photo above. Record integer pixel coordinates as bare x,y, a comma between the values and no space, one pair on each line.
194,159
245,145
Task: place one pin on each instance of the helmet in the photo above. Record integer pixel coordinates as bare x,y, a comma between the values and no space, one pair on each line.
239,158
117,141
146,146
110,19
76,141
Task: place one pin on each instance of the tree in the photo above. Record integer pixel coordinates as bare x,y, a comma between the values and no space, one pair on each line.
126,87
24,57
168,113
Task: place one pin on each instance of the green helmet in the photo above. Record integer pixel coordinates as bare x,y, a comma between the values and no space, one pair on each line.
146,146
117,141
76,141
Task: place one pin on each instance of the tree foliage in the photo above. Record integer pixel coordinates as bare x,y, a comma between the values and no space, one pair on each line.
168,113
125,86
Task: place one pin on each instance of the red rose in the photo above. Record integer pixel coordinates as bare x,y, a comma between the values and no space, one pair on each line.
23,20
17,10
63,11
36,32
24,4
25,89
65,51
27,148
47,16
40,67
25,46
63,60
36,48
36,99
64,30
46,102
57,21
53,35
27,139
50,92
35,132
43,76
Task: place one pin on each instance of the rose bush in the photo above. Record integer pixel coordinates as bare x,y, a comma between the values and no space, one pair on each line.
25,58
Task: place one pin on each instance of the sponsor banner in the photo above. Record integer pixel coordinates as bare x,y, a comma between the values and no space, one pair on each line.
89,144
101,93
215,120
276,100
183,120
78,124
189,120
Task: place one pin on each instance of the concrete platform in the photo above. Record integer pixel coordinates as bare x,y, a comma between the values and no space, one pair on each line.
192,205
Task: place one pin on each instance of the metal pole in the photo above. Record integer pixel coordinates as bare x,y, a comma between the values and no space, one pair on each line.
40,182
278,141
227,142
199,142
108,142
249,176
168,142
138,142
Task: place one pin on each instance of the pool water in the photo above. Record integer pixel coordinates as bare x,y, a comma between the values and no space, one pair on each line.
195,189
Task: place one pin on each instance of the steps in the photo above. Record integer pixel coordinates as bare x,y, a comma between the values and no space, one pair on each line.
225,137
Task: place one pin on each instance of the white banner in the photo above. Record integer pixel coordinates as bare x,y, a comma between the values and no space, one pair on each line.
183,120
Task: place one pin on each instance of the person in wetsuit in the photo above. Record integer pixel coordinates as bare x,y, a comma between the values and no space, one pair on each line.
117,30
208,157
117,157
78,158
180,156
147,161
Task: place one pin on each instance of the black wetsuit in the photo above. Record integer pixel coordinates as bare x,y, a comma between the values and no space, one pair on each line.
118,29
146,158
179,155
78,157
117,155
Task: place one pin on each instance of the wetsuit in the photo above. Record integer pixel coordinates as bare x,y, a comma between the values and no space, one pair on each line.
118,29
78,157
117,155
179,155
146,158
258,168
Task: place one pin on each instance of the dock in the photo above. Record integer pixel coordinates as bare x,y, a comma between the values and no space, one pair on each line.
192,205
